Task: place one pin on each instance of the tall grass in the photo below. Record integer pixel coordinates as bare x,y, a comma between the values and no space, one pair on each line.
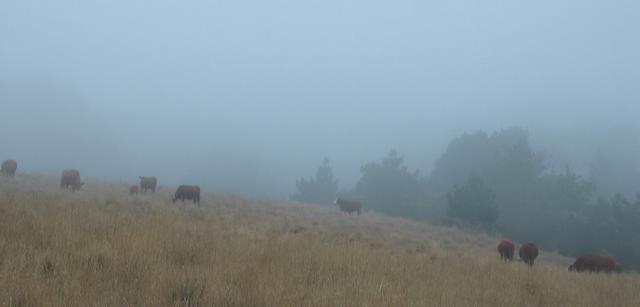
100,247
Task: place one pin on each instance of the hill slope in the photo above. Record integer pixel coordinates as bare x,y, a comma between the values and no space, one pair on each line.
103,247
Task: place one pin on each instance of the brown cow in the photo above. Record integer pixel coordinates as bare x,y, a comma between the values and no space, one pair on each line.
191,192
71,179
528,253
148,183
134,190
9,168
348,206
506,249
595,263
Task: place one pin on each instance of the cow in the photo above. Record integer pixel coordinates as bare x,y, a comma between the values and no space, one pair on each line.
148,183
348,206
595,263
134,190
9,168
528,253
71,179
190,192
506,249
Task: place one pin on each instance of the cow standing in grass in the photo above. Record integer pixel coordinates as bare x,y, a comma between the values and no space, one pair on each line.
506,249
9,168
595,263
148,183
189,192
348,206
134,190
71,180
528,253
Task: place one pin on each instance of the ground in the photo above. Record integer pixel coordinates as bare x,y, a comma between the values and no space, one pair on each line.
102,247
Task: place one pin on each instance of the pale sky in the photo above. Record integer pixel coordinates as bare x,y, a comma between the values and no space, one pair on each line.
247,96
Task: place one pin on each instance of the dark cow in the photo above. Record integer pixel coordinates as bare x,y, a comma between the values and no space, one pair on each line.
9,168
134,190
190,192
528,253
71,179
506,249
348,206
595,263
148,183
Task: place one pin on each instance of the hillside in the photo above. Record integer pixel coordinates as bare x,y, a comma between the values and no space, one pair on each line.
102,247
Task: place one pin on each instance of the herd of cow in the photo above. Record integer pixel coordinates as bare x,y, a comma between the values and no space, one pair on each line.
70,180
184,192
528,252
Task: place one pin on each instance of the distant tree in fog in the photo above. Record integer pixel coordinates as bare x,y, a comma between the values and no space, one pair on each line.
503,156
473,202
613,227
321,189
390,187
616,173
505,161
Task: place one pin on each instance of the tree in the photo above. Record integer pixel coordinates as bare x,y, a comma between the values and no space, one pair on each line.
613,228
552,211
505,162
320,190
616,173
389,187
503,158
474,202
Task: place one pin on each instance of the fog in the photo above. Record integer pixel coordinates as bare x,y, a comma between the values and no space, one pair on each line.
247,96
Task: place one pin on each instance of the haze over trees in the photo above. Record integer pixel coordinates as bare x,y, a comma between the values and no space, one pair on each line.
390,187
473,202
321,189
498,182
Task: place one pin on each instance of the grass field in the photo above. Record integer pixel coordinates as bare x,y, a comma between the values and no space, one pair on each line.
101,247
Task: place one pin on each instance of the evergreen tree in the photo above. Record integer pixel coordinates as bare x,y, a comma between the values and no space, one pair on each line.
390,187
321,189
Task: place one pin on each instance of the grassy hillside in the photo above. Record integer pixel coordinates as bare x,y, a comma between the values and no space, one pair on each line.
101,247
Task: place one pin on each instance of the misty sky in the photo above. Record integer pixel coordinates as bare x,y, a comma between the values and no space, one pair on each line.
246,96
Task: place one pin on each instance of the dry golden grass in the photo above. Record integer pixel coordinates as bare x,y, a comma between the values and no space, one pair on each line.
100,247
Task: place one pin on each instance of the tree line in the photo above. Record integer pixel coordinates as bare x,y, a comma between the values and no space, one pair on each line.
495,183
